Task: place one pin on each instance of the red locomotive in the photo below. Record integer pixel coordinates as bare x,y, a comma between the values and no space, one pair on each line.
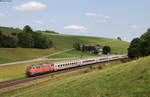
43,68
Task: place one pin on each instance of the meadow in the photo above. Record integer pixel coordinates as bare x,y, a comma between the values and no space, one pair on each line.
129,79
61,42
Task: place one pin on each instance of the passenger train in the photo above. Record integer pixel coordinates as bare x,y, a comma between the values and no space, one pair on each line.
34,70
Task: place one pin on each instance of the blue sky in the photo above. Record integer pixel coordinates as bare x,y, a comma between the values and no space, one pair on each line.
105,18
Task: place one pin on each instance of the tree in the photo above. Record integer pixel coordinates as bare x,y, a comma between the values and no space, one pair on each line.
106,50
14,34
47,43
148,30
77,46
145,47
1,38
27,29
26,40
119,38
83,48
40,41
9,42
134,49
145,43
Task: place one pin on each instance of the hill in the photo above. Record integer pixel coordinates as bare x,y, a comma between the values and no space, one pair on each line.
61,42
125,80
9,30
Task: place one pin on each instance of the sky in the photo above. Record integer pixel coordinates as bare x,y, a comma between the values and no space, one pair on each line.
103,18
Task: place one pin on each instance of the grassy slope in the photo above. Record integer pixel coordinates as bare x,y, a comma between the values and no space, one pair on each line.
18,54
66,41
73,53
9,30
125,80
61,42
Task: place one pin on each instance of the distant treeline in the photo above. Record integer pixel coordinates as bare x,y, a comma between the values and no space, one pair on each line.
140,47
26,38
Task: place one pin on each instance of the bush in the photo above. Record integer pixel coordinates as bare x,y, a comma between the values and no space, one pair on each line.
100,67
106,50
87,70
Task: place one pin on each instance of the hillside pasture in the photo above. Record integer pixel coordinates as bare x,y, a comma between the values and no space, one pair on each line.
125,80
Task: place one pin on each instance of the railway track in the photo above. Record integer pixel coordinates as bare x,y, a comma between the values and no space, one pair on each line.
15,82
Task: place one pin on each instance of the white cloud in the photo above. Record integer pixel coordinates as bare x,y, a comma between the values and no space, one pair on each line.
106,17
76,28
90,14
134,26
31,6
39,22
99,18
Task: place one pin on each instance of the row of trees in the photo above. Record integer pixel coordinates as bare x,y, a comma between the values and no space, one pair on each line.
8,41
79,47
25,39
140,47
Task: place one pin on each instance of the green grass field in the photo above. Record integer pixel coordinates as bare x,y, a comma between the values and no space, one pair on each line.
73,53
61,42
125,80
19,54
